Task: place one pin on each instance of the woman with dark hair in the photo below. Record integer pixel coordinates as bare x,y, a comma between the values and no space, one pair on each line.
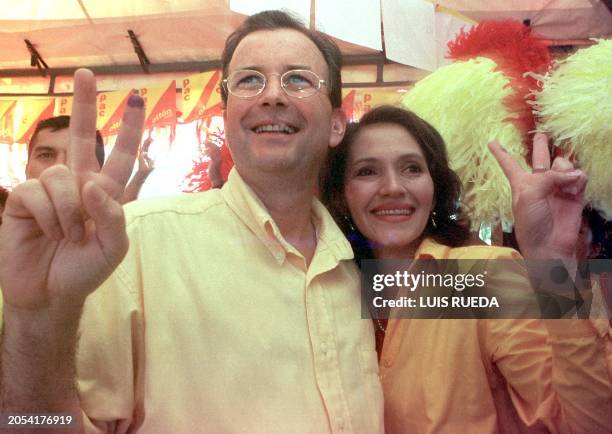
390,188
446,225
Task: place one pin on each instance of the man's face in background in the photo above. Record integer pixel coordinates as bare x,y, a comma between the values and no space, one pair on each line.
47,149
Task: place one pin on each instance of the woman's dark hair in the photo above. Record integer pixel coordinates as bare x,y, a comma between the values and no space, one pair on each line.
449,224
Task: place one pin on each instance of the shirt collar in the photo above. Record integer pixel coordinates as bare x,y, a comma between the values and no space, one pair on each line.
241,198
429,249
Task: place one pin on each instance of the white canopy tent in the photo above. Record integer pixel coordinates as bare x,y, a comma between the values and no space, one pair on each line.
187,35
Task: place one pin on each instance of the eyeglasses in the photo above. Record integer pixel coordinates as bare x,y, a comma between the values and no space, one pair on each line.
297,83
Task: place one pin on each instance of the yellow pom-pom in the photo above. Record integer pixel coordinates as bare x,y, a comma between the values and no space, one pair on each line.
575,108
464,101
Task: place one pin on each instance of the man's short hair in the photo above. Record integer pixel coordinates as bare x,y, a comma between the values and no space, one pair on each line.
274,20
59,123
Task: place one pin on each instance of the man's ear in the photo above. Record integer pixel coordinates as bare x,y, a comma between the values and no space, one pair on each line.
338,127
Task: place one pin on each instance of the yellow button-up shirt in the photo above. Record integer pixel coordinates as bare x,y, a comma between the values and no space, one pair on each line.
213,323
495,376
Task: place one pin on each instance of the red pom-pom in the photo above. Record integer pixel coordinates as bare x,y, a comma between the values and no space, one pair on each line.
515,50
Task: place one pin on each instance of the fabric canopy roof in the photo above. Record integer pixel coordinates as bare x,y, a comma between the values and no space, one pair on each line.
73,33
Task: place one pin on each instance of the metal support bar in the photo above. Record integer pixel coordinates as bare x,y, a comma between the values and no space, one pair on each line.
51,84
359,85
142,57
157,68
160,68
36,59
364,59
379,73
46,95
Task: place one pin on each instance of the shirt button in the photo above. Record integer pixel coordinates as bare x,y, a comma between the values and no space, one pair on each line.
324,348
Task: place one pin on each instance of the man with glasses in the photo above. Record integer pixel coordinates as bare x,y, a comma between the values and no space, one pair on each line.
234,310
248,83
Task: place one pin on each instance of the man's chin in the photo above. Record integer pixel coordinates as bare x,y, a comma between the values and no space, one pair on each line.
278,166
270,160
269,165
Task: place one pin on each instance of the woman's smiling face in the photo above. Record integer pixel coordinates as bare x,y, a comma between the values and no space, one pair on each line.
388,189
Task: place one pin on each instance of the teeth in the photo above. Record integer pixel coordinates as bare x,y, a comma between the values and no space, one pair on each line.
395,212
286,129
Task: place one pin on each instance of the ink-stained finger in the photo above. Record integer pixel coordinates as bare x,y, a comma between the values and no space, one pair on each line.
121,160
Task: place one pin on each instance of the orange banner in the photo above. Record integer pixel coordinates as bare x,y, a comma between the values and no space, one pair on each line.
357,102
110,111
6,120
201,96
63,106
160,102
18,118
110,106
26,115
6,105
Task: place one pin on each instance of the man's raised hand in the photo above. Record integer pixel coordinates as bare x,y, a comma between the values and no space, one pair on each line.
64,233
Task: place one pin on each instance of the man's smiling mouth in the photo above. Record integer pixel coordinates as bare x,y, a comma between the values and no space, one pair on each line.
275,128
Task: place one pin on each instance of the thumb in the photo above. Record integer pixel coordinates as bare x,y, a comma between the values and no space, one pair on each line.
569,182
109,220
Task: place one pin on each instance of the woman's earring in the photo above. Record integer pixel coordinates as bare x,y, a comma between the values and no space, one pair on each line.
432,219
349,222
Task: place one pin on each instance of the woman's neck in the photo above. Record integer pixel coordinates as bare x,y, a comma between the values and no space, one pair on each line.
398,252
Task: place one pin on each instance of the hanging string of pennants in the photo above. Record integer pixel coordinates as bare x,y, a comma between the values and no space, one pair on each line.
18,118
357,102
200,99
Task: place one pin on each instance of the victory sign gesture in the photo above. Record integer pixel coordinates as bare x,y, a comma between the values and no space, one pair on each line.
546,202
64,233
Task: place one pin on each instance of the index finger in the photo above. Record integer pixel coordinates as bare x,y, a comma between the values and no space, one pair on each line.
509,165
81,149
541,154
